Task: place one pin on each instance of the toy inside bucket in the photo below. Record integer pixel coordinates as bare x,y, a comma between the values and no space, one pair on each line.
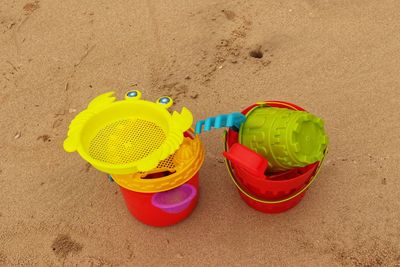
149,152
287,138
273,165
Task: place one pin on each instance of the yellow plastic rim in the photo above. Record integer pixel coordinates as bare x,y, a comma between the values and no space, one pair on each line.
188,167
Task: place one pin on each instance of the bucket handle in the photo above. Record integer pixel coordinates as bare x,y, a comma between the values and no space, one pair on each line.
229,167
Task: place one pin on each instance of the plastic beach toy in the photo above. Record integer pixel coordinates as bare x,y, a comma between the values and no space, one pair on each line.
287,138
232,120
246,150
141,206
244,156
171,172
169,193
175,200
128,136
153,155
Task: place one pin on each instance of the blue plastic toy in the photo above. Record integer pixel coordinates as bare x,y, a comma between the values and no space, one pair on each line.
232,120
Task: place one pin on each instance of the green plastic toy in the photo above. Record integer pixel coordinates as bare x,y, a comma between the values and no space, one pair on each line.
287,138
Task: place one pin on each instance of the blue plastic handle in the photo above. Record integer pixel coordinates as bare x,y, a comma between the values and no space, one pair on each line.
232,120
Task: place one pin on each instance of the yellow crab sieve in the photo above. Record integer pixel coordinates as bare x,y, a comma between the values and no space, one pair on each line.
126,141
128,136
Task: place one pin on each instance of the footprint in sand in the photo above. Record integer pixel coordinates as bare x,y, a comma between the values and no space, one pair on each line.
256,53
31,7
63,245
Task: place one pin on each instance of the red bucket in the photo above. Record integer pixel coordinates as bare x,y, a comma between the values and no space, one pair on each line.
149,209
170,206
273,193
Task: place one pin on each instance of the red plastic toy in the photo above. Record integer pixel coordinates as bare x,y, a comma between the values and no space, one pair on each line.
141,207
266,192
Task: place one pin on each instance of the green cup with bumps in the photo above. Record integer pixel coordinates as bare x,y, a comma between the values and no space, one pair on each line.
286,138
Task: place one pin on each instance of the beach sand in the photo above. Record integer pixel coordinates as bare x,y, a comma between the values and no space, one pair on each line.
337,59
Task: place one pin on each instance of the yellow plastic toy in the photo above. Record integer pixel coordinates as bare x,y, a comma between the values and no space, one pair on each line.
127,136
181,166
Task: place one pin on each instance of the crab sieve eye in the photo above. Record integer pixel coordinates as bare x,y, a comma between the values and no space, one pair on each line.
164,100
132,94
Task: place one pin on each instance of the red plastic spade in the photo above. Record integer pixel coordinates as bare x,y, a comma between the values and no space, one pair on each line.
247,158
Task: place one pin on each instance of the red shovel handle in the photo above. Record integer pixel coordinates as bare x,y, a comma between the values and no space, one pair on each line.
245,157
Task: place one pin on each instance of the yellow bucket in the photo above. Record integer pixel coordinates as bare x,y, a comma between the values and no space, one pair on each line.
128,136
